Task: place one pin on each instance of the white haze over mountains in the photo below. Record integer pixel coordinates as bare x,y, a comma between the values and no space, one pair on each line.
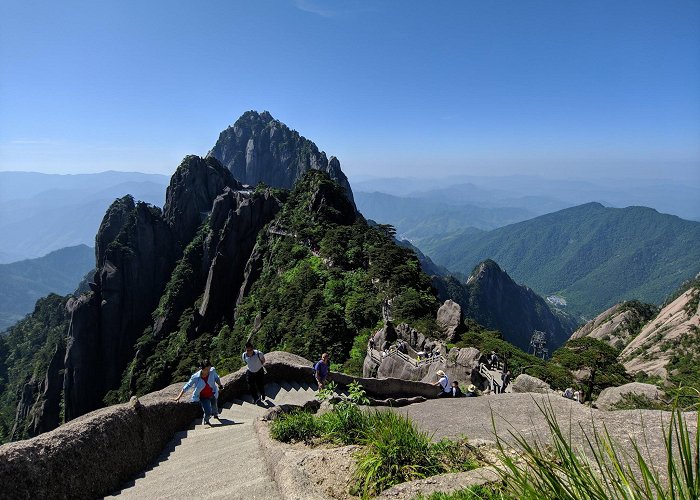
40,213
541,194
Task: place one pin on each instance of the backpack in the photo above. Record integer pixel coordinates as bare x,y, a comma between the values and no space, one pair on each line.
255,353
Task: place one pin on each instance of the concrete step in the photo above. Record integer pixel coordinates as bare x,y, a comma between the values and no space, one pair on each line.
223,460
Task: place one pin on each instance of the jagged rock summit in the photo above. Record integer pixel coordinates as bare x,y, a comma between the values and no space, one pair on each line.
494,300
258,148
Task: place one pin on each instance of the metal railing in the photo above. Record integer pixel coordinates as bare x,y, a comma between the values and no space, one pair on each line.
393,351
495,387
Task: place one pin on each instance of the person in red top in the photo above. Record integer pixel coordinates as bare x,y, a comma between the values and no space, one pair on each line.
205,383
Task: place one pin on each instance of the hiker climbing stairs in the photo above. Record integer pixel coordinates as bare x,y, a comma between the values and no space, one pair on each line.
221,461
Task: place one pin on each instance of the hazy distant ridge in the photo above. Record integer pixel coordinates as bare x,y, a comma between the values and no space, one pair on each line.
591,255
40,213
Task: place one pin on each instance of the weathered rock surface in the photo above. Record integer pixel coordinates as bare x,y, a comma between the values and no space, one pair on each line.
133,269
237,219
258,148
191,193
618,325
444,483
449,318
522,414
528,383
612,395
663,337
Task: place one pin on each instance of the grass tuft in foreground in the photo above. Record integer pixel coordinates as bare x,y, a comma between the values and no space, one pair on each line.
393,450
604,471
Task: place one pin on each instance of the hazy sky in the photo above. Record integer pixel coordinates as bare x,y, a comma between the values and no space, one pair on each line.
390,87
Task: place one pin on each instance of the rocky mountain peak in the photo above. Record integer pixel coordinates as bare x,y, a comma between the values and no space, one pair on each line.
498,302
489,271
191,193
112,223
258,148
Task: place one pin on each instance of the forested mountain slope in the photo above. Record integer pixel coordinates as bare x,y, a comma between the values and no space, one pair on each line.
590,255
23,283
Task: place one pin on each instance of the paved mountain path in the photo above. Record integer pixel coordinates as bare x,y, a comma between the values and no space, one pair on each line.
221,461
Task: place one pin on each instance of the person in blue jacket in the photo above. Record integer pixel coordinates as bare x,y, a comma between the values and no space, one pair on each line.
322,370
206,383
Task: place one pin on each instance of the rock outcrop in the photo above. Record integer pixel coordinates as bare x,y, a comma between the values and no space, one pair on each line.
618,325
137,248
258,148
237,218
613,395
449,318
497,302
190,195
528,383
675,332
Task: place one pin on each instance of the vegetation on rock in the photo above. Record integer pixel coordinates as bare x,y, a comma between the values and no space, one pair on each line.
591,255
596,360
25,353
325,276
393,449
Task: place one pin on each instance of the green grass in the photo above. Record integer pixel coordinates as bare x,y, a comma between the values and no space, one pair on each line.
395,451
471,493
605,471
295,426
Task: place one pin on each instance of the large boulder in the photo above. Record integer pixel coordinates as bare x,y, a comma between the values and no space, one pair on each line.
449,318
612,395
528,383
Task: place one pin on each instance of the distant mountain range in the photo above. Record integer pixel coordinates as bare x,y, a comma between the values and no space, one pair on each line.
590,255
23,283
40,213
419,218
541,195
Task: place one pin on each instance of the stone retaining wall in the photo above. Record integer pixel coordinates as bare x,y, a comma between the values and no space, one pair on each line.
95,454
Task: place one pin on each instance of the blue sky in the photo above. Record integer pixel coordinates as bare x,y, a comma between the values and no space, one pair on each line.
390,87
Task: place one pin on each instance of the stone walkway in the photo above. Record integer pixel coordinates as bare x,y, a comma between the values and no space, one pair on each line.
221,461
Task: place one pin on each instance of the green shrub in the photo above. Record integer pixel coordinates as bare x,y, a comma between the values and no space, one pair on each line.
631,401
296,426
395,452
471,493
345,425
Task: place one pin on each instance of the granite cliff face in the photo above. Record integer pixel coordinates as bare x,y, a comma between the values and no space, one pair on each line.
494,300
669,340
618,325
258,148
167,279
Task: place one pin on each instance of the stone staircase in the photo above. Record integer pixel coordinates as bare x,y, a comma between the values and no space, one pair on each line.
494,379
221,461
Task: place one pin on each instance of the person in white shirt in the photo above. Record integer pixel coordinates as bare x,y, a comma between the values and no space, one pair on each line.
444,383
255,375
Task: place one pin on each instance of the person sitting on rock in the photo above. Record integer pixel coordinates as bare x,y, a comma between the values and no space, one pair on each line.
471,391
206,383
456,391
322,371
444,383
568,393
